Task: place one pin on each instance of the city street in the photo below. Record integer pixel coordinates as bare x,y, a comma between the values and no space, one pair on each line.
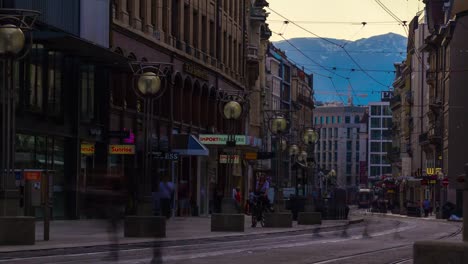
376,240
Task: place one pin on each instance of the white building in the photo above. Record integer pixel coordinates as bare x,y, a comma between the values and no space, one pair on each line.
341,146
380,140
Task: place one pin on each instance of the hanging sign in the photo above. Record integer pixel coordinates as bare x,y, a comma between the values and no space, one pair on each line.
231,159
122,149
87,149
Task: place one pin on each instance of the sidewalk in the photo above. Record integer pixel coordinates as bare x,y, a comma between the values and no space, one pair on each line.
430,217
88,233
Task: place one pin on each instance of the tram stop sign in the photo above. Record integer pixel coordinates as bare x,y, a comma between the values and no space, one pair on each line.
445,182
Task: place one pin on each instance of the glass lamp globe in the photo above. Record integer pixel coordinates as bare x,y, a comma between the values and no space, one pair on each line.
232,110
11,40
278,124
310,136
149,83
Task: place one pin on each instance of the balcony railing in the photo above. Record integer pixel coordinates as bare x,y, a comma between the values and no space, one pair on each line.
252,53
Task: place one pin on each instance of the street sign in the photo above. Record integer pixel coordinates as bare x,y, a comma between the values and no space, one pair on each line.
118,134
166,155
445,182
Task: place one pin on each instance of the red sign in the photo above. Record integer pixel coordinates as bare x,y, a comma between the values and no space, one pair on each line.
445,182
122,149
32,175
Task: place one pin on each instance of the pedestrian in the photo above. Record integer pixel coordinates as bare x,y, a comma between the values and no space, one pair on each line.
166,194
237,199
426,207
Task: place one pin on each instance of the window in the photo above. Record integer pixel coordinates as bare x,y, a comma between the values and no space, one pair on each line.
336,156
348,132
321,120
375,158
330,132
329,157
349,157
357,146
87,92
54,84
324,157
349,180
349,145
375,147
376,110
318,158
336,144
315,120
357,157
375,122
324,145
347,119
386,110
387,123
333,119
376,135
374,171
357,119
327,120
339,119
357,169
324,133
36,87
348,168
336,132
329,144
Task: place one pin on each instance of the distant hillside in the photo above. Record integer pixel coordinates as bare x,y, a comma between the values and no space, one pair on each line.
376,55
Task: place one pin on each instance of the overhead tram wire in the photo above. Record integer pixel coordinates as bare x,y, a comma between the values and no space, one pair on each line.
320,65
331,42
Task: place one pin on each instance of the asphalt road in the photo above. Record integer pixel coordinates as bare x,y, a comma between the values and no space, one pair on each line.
376,240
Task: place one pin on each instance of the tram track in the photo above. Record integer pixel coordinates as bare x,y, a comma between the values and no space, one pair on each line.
378,251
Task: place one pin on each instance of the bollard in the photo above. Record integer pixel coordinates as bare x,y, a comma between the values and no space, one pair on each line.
465,206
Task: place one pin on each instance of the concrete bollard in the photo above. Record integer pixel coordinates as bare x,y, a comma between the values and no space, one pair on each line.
17,230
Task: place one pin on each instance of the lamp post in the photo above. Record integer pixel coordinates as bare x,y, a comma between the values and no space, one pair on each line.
14,24
331,177
293,152
233,105
151,83
278,127
310,137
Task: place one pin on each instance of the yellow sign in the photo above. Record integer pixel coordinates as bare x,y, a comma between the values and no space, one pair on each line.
122,149
433,171
87,149
251,155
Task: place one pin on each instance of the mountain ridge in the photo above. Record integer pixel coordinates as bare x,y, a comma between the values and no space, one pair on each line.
376,55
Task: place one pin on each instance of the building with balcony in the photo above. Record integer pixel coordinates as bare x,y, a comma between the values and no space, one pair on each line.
446,44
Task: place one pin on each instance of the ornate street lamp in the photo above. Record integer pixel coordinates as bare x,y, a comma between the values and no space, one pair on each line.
233,105
278,125
150,81
15,26
310,137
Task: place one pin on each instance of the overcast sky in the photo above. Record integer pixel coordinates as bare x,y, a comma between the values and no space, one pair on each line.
325,17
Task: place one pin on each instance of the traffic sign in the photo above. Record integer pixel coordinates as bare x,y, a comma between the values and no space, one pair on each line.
445,182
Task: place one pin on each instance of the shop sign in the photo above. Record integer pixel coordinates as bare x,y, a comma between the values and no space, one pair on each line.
166,155
445,182
250,156
87,149
122,149
231,159
208,139
433,171
32,175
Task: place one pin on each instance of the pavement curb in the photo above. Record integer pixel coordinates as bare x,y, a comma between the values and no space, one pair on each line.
406,217
184,241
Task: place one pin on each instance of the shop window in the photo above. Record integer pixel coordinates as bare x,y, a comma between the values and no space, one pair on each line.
54,83
36,87
87,82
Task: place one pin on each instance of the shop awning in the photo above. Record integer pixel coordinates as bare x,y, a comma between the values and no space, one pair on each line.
188,145
80,47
